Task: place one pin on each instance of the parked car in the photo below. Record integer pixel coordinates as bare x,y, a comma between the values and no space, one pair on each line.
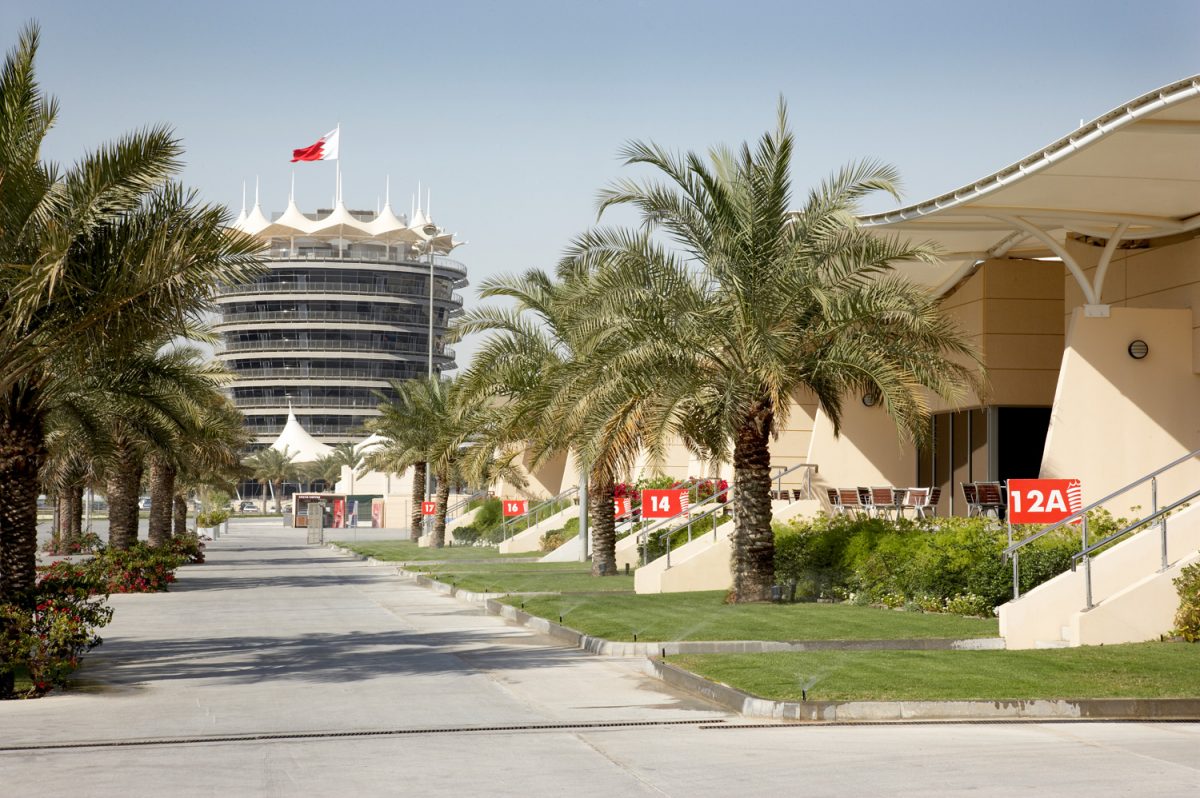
249,507
144,503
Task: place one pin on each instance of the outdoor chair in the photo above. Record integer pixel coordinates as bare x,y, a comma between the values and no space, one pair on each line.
971,497
850,500
991,499
885,502
799,495
931,506
835,501
915,499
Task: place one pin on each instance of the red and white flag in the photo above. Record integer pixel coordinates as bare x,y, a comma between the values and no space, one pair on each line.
326,148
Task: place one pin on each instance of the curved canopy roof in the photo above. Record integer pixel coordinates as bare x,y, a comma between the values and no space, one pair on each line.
1133,173
296,441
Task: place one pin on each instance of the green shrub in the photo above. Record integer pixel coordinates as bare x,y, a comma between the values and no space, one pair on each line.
212,518
1187,618
138,569
922,563
48,641
466,535
552,540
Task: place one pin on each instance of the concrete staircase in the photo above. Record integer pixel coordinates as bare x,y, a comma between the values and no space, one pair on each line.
531,539
1133,600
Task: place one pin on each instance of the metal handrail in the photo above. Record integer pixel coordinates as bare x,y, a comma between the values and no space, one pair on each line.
336,256
1152,477
332,288
812,468
453,510
536,510
666,533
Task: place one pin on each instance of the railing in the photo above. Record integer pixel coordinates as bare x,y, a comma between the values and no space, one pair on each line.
809,470
463,506
341,256
332,345
1087,547
308,372
656,527
331,287
342,316
368,403
542,511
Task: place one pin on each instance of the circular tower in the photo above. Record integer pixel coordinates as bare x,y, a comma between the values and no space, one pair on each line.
343,308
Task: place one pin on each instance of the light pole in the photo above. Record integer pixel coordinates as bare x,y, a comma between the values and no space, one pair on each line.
430,229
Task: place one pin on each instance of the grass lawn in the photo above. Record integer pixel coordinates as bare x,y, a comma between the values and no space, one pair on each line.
1141,670
706,616
532,577
408,551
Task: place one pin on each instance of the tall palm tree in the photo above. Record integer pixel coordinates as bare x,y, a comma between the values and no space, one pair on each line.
92,258
209,458
758,302
346,454
273,467
408,438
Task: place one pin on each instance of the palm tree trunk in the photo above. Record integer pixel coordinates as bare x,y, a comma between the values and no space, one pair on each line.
417,518
277,487
753,539
58,525
124,482
603,525
162,492
179,502
263,485
443,502
73,529
22,451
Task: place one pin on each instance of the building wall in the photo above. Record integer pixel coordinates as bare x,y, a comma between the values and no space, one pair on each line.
1116,418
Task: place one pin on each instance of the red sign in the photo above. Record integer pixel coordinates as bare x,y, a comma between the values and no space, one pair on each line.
622,506
428,508
664,503
1043,501
513,507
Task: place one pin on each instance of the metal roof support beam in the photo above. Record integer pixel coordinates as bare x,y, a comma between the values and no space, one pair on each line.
1106,257
1058,249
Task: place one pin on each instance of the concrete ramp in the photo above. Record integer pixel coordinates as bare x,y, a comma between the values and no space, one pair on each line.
1133,599
700,564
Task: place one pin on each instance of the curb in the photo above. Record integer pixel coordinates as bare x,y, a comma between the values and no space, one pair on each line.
751,706
833,712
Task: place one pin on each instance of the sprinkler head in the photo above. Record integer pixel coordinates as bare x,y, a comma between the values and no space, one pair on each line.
635,637
560,619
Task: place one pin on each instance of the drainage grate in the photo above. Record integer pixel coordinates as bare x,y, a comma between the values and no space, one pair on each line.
333,735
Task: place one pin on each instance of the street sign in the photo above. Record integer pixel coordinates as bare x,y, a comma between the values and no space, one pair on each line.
514,507
622,506
1043,501
664,503
428,508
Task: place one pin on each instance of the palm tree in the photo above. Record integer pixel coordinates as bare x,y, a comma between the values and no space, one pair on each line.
758,303
346,454
538,362
210,457
96,258
272,467
408,438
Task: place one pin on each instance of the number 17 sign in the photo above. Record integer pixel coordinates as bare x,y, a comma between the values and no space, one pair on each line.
1043,501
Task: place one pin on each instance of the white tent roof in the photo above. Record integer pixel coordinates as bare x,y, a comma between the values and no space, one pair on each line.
1133,173
341,223
294,439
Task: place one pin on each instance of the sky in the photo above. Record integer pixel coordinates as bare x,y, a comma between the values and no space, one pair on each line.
513,113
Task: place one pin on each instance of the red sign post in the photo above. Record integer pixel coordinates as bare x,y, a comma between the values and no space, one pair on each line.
664,503
515,507
428,508
1043,501
622,506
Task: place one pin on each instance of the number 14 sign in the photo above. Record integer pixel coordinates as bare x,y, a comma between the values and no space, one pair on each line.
1043,501
664,503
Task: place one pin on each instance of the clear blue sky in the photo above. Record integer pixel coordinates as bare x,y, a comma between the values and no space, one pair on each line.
513,111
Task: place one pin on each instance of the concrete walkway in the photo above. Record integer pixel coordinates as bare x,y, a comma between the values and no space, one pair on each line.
273,639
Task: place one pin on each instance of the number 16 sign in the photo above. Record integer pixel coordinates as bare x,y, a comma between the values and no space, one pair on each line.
1043,501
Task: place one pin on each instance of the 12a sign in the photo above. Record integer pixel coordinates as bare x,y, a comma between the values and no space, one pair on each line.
428,508
664,503
622,506
515,507
1043,501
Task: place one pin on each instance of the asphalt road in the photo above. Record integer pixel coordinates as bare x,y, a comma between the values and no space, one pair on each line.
283,669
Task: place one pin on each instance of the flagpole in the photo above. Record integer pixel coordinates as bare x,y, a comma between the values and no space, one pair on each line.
339,163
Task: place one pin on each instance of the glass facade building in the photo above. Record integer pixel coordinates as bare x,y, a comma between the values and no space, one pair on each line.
342,309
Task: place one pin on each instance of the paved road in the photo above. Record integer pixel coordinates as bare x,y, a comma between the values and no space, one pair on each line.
273,638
